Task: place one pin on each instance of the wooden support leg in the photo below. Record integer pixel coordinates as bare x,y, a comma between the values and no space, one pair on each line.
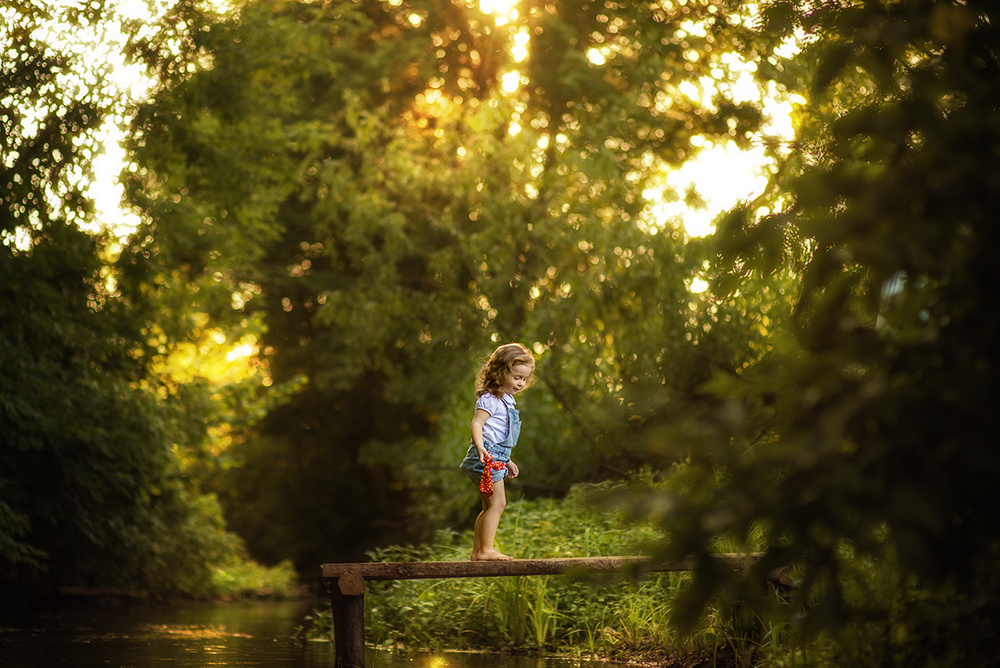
347,599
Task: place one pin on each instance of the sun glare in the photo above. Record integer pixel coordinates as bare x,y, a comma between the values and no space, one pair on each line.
106,189
722,174
133,83
240,351
698,285
520,49
510,81
502,10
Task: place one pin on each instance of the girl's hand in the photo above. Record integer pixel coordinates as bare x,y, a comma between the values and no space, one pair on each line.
482,455
512,468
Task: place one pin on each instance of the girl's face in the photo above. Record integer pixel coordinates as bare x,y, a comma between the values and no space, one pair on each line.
517,378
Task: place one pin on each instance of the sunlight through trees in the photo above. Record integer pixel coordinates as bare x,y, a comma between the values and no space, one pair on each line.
690,210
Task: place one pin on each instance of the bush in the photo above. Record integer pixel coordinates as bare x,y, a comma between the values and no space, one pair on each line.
244,577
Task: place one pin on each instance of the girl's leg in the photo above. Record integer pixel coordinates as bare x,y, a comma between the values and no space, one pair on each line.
477,541
487,524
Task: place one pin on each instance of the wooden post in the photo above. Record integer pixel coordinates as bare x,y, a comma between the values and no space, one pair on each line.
347,602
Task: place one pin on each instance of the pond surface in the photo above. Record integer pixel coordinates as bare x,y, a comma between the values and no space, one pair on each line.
208,634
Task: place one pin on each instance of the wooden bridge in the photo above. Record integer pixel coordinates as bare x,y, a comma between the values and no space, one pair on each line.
346,584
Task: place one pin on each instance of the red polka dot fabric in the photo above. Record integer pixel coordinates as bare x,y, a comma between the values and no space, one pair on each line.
486,482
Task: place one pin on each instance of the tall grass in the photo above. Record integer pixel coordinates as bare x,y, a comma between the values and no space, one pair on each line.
608,615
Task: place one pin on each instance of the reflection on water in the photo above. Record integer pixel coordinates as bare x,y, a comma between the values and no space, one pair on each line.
376,659
226,634
235,634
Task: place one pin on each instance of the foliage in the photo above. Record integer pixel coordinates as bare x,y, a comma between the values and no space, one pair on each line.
865,430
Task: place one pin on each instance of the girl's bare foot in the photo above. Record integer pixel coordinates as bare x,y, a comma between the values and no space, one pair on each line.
492,555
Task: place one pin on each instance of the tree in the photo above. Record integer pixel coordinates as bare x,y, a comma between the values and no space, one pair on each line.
90,494
366,179
863,437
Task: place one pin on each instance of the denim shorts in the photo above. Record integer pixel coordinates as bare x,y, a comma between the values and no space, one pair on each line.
474,468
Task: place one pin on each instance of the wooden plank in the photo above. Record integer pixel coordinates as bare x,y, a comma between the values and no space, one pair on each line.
471,569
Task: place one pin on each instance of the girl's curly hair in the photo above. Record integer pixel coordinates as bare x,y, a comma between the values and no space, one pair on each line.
493,375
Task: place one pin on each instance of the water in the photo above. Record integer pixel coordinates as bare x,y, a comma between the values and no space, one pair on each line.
226,634
243,634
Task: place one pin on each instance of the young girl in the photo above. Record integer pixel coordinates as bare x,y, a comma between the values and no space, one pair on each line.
495,428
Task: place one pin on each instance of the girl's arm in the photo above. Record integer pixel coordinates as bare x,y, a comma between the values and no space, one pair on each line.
478,420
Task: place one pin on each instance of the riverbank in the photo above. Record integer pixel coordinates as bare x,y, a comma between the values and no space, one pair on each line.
237,580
